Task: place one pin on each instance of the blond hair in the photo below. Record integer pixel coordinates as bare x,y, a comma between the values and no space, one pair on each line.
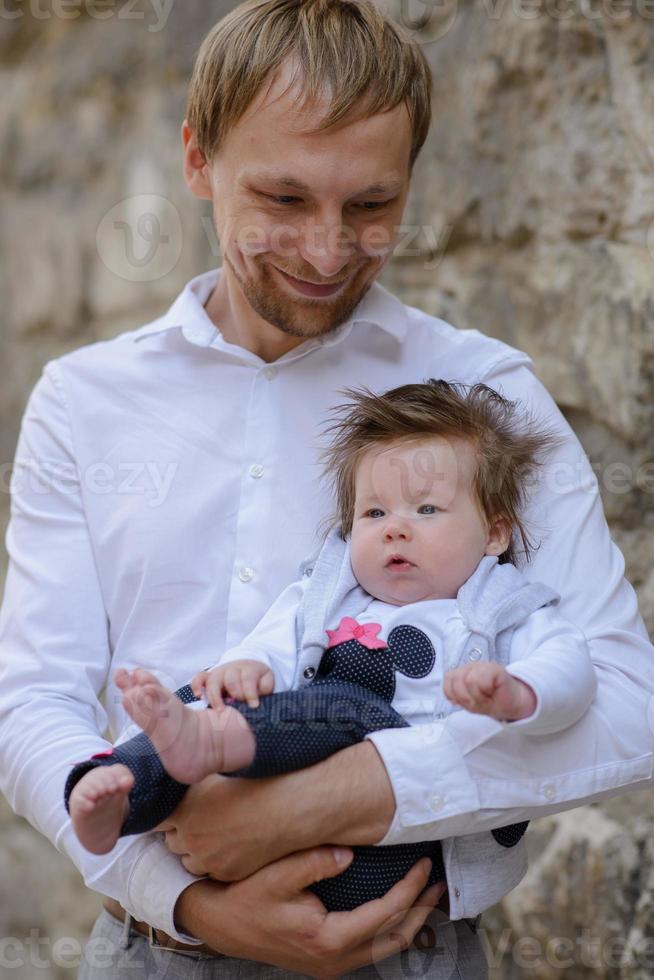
509,447
366,60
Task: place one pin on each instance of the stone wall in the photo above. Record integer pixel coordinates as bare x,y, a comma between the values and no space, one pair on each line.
534,198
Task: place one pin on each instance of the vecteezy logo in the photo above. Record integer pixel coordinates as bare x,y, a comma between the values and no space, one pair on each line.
427,20
433,952
140,238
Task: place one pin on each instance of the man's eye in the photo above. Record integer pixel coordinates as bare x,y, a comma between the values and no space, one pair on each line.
288,199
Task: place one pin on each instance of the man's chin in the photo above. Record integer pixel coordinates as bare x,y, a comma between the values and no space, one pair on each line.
305,316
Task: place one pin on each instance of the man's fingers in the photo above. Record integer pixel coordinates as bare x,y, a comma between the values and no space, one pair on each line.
374,918
164,826
400,935
173,842
303,868
193,866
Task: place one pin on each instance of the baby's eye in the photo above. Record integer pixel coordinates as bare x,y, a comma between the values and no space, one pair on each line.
373,511
428,509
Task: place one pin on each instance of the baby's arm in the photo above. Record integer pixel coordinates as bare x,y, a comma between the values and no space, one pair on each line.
549,658
487,688
273,641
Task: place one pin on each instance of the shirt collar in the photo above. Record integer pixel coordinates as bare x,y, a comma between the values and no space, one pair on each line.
188,314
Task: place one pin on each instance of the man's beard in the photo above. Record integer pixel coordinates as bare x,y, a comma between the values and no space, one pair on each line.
303,317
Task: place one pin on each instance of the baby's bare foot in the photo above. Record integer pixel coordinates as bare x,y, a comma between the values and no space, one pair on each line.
191,744
99,806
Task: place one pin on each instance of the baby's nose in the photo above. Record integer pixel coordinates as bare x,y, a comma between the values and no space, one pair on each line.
396,530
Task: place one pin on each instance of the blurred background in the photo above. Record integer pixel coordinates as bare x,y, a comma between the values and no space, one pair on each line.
530,218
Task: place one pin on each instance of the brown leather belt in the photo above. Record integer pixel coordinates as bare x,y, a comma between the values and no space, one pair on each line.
426,937
156,937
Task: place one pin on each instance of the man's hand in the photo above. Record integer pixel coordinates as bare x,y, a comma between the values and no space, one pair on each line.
486,688
229,828
271,918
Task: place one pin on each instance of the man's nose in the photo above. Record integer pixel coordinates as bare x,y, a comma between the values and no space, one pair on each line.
328,245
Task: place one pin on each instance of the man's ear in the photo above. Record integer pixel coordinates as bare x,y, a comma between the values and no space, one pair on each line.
196,168
499,535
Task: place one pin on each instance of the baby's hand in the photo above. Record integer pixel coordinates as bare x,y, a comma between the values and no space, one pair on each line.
243,680
488,689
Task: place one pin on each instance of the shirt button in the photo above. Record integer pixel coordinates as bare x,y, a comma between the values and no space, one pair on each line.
440,714
309,672
549,792
457,893
256,470
475,654
246,574
270,373
308,572
436,803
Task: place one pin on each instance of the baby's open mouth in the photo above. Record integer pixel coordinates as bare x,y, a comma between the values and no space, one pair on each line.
399,561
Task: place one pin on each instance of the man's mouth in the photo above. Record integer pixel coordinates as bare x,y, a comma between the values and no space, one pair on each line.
313,289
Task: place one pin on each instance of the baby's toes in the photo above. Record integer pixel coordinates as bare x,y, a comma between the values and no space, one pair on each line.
143,697
153,700
142,676
124,777
122,679
83,801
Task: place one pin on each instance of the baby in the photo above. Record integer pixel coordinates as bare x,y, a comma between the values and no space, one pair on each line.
412,612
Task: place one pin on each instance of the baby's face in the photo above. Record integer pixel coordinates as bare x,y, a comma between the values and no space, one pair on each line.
415,501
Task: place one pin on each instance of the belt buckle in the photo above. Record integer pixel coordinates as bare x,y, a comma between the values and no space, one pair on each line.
155,944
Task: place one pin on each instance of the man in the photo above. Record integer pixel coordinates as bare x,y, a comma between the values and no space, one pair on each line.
225,395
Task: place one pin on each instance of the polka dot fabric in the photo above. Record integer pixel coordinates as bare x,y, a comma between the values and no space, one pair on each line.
373,871
509,836
295,729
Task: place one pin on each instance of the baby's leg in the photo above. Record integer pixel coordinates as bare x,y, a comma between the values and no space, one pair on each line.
153,793
191,744
99,806
296,729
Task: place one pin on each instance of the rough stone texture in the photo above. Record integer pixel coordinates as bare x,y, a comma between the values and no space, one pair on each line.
45,912
532,209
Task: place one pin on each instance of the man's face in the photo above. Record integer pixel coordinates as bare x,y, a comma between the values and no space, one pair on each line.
306,222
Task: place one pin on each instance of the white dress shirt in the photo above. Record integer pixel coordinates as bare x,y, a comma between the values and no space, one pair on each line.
166,489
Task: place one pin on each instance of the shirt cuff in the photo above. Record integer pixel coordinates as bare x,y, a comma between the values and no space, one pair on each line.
533,723
157,880
427,769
